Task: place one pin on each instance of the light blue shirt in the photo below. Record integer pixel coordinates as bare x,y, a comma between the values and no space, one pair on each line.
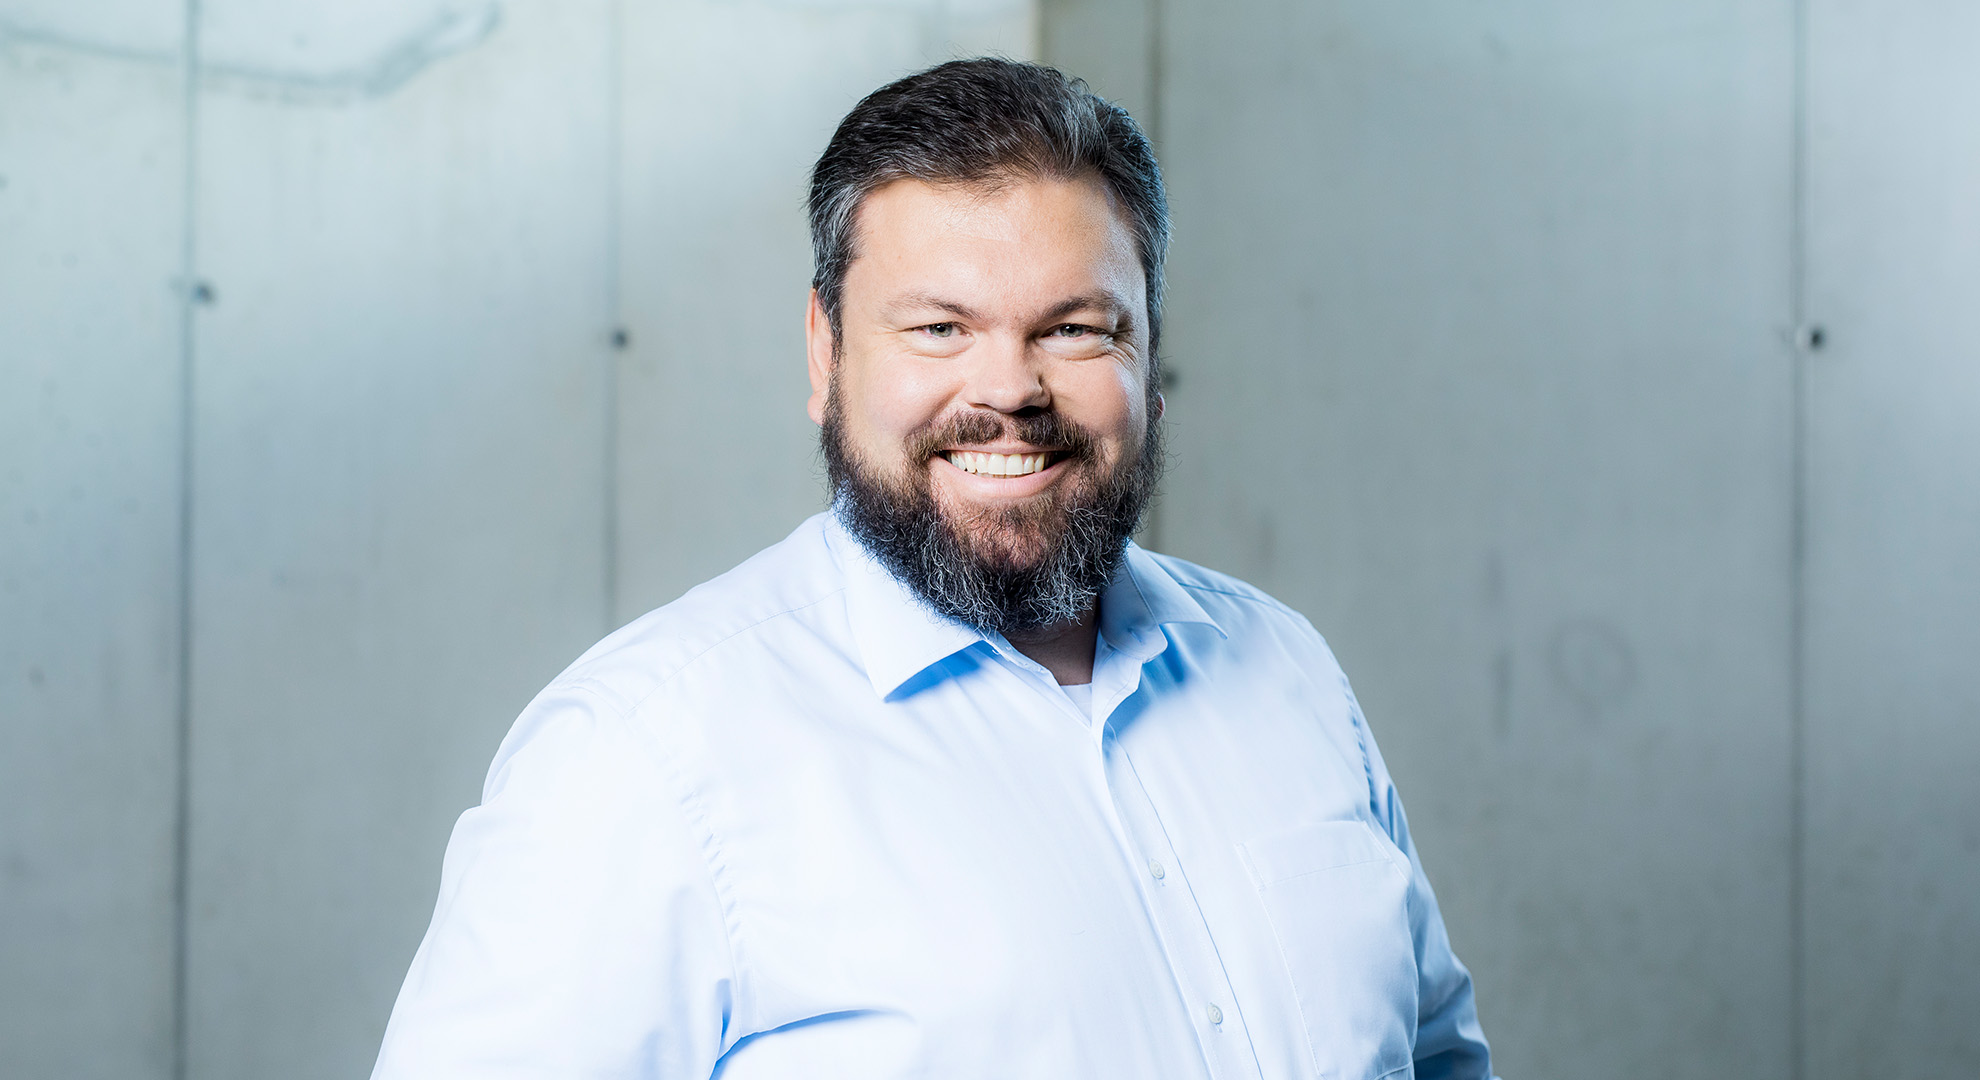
793,825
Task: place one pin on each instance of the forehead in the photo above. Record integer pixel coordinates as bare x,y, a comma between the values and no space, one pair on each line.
1040,233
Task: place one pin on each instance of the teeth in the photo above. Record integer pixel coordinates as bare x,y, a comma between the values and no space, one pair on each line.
997,464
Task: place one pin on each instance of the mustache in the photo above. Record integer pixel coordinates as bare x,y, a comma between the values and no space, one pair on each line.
1048,428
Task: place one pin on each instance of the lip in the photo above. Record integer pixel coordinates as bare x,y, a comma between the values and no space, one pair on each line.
992,488
1002,448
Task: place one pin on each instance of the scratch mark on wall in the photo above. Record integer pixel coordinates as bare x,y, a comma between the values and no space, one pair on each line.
13,33
448,33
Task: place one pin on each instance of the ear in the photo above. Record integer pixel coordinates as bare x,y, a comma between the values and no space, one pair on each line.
819,360
1161,405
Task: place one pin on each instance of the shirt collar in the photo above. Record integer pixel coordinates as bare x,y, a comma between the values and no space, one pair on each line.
1143,598
899,637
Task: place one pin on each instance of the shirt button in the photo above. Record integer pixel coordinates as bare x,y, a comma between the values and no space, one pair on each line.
1216,1015
1155,869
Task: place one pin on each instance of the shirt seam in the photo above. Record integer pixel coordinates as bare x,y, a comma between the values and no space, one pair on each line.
713,865
1262,601
1367,765
695,809
631,705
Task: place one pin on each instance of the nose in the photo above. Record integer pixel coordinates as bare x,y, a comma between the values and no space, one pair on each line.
1004,377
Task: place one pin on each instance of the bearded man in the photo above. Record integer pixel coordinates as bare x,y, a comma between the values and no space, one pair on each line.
956,781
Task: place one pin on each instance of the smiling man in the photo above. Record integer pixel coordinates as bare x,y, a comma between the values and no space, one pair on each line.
987,394
955,781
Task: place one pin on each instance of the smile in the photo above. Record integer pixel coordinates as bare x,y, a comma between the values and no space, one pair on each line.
982,464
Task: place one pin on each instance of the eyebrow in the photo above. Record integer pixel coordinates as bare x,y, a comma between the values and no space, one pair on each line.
1101,301
922,301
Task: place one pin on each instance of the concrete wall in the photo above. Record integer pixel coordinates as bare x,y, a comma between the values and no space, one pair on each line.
1484,328
398,504
1892,692
90,614
379,260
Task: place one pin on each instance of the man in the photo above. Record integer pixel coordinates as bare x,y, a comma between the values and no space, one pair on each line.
955,781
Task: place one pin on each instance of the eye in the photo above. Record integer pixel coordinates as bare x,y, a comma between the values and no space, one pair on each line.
940,329
1072,330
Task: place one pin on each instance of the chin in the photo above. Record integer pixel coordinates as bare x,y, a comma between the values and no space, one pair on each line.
1010,550
1019,536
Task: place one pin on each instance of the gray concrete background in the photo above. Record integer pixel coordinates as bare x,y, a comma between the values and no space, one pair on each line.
1494,339
399,389
90,561
1892,889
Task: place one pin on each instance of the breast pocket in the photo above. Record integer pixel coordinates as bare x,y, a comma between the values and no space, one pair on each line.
1337,895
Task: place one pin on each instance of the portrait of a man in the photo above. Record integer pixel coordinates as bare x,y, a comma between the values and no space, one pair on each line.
956,780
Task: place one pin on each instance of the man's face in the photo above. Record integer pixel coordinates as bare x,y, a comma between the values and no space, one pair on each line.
989,385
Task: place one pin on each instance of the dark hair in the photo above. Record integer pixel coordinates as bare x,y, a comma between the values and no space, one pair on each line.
983,121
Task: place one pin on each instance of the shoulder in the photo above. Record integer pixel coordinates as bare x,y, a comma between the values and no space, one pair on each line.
775,602
1258,632
1249,616
1264,639
1212,587
776,592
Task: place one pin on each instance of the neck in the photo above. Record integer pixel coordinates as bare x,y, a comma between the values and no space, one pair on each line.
1064,649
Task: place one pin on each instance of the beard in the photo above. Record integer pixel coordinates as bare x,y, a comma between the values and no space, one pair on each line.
1008,569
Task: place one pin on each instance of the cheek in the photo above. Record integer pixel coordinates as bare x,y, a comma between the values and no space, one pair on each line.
891,400
1111,401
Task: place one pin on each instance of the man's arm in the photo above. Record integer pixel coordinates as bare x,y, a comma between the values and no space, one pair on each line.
578,930
1449,1041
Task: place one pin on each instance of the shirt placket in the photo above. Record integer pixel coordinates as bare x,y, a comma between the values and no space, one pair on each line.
1164,884
1161,879
1180,919
1198,1006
